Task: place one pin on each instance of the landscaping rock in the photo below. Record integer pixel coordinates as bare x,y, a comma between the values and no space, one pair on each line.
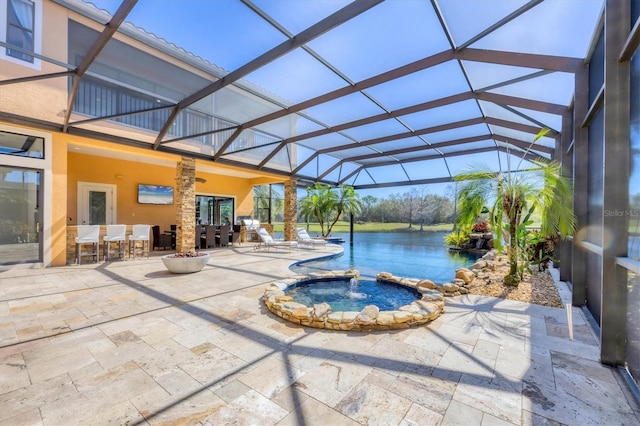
480,264
465,274
386,276
425,283
458,282
320,310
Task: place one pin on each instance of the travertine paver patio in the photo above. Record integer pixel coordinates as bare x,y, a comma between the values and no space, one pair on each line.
128,343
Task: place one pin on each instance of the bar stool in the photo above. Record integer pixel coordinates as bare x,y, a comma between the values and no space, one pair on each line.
139,233
115,233
87,234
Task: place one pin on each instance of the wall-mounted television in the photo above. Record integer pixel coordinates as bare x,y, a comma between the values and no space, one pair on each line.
155,194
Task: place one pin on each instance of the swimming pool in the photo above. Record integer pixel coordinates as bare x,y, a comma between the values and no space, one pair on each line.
406,254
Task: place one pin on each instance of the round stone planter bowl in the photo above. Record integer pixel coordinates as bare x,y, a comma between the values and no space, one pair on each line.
185,264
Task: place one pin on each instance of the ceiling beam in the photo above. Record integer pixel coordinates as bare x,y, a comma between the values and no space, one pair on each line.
431,157
368,120
489,97
488,120
234,135
348,90
124,114
38,56
338,18
427,130
347,177
107,34
522,103
526,60
551,63
529,156
390,138
631,44
515,80
407,150
524,145
36,77
510,17
402,71
517,126
515,142
431,181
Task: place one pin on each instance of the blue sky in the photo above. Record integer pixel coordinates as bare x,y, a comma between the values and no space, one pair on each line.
228,34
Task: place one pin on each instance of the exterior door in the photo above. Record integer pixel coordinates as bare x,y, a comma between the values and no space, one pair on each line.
20,215
96,204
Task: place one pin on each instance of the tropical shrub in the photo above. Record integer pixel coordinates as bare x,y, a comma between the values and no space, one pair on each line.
481,227
457,238
540,249
511,199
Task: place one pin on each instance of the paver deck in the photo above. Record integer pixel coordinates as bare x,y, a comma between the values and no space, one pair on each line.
129,343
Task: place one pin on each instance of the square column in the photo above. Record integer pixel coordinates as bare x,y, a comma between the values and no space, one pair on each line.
580,184
615,220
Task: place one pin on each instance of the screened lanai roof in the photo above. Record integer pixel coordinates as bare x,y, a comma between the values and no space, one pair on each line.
368,93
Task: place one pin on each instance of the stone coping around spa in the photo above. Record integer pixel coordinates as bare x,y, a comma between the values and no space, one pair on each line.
370,318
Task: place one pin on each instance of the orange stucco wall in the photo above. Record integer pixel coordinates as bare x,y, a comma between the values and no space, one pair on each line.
59,195
126,175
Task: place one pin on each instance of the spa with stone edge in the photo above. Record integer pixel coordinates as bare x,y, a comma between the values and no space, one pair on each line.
427,306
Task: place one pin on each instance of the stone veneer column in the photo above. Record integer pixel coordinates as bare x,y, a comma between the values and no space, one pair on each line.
186,205
290,209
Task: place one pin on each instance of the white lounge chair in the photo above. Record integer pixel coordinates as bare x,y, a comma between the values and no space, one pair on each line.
267,241
305,239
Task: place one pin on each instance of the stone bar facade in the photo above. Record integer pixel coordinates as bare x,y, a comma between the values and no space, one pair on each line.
72,233
290,209
186,205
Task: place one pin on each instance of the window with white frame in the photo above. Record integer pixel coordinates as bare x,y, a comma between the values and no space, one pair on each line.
21,30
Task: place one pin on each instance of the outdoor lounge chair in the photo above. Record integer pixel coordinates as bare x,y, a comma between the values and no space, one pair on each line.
305,239
267,241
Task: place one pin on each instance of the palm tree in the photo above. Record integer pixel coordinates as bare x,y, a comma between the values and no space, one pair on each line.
511,199
327,206
266,198
348,201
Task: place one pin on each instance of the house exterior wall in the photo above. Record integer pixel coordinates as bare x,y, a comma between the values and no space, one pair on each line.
74,158
42,99
70,166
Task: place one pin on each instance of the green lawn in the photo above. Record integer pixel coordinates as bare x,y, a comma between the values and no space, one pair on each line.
370,227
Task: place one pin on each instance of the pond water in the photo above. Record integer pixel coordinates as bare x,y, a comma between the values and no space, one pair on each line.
352,295
405,254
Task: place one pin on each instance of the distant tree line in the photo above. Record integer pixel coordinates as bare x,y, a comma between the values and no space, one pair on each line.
417,207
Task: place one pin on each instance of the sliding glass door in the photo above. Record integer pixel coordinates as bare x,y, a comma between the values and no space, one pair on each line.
20,215
213,210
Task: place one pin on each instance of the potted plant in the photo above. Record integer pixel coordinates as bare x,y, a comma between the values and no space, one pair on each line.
185,263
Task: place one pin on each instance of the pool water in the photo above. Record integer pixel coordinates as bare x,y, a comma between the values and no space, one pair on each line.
405,254
344,295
